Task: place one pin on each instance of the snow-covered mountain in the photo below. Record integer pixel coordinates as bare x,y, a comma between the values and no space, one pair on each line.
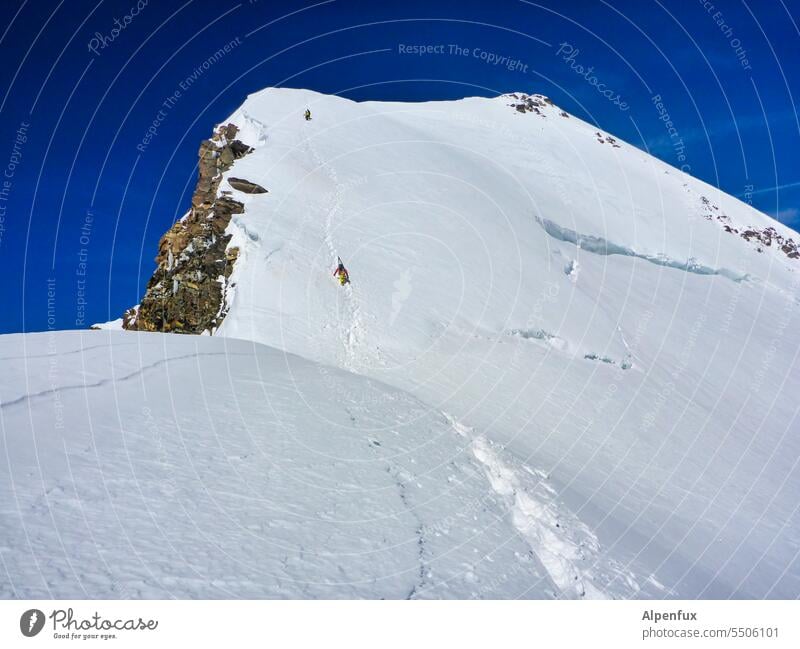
563,368
209,467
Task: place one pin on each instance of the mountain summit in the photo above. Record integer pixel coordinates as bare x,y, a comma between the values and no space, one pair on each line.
423,181
561,368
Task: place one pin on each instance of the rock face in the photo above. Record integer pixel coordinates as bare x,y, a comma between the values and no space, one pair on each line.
186,293
763,238
245,186
530,103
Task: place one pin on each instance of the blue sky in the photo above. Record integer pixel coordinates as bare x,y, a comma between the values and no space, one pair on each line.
82,208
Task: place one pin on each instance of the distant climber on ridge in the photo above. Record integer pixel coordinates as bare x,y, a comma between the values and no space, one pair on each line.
308,115
341,273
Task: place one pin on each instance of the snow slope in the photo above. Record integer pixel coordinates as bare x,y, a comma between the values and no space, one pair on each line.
149,465
562,292
554,374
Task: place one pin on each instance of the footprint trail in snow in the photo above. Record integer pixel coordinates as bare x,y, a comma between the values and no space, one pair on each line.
567,549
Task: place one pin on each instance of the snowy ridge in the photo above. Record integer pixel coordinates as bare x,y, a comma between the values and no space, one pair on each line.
559,289
225,469
619,370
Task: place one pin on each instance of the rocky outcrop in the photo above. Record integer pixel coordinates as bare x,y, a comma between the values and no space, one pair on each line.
531,103
763,238
245,186
186,293
606,139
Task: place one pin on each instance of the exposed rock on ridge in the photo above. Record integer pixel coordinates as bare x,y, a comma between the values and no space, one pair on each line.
186,293
764,237
530,103
245,186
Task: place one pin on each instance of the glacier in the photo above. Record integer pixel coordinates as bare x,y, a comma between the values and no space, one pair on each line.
561,370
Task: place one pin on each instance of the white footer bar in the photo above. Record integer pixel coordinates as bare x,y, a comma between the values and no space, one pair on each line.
406,625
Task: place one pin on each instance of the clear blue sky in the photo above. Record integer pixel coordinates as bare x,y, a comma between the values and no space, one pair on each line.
82,209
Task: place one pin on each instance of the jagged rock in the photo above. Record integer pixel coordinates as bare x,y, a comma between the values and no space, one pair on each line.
186,293
129,317
225,133
764,237
245,186
530,104
239,149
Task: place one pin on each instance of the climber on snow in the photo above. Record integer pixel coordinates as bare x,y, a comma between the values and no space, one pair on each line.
308,114
341,273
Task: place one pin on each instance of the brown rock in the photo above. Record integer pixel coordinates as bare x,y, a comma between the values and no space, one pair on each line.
245,186
186,293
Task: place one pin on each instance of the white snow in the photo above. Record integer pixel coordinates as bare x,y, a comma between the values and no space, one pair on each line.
551,376
148,465
112,325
